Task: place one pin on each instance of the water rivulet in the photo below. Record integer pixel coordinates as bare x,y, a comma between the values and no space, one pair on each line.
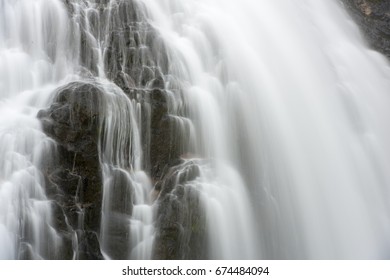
218,129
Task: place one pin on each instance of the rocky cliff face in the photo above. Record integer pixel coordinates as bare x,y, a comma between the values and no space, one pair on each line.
373,17
135,59
74,176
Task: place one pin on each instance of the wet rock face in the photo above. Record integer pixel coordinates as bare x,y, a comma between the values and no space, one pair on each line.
134,56
118,223
180,223
373,17
132,52
74,177
73,118
136,60
164,144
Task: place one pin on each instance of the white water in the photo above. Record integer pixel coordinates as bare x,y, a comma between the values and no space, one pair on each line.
124,181
30,66
229,219
120,152
40,51
289,94
285,99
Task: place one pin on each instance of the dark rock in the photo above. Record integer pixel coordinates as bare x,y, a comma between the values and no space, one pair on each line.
131,48
136,59
373,17
178,172
117,239
88,246
120,208
180,223
122,193
157,83
74,176
64,230
166,144
124,81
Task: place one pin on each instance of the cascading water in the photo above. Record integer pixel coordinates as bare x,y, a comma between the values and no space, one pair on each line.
30,67
261,124
43,46
126,229
126,224
288,93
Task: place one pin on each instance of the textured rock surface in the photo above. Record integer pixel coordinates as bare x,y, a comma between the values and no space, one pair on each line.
164,146
181,221
75,177
117,244
135,59
373,17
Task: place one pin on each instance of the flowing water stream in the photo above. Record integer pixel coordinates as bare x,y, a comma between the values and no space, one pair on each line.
290,95
283,108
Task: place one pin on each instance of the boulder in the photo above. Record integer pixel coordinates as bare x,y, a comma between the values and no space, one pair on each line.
74,177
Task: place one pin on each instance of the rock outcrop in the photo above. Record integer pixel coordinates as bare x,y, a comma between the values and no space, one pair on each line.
373,17
74,176
136,60
181,221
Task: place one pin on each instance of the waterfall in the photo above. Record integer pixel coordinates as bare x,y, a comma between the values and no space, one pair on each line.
289,95
30,67
197,129
46,45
